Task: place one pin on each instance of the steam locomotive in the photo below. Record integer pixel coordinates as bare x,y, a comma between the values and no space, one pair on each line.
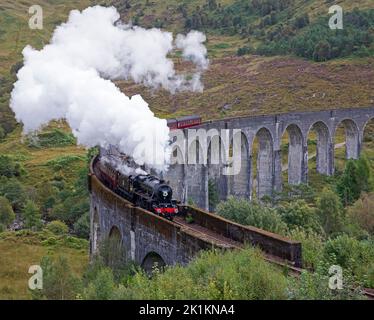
144,190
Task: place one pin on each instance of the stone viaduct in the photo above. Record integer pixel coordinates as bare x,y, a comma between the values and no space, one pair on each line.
190,181
146,238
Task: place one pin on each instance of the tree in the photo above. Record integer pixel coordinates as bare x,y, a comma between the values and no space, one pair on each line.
252,213
299,214
364,176
82,226
14,191
322,51
58,227
6,212
8,167
348,186
362,212
213,195
59,282
31,215
330,211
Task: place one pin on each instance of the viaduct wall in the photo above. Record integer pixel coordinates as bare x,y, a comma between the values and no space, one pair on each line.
146,238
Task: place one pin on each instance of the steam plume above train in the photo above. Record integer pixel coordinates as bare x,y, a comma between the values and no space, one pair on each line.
71,78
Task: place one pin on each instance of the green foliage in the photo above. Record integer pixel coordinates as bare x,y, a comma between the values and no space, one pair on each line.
362,212
312,246
102,287
364,174
213,275
244,50
299,214
31,215
9,168
271,23
57,227
63,161
315,286
82,226
252,213
53,138
330,211
212,195
59,282
355,257
355,179
14,191
6,212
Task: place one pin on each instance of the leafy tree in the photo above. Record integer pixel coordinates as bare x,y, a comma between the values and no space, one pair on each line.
312,246
31,215
59,282
213,195
364,174
57,227
102,287
14,191
299,214
348,186
362,212
9,168
82,226
6,212
252,213
330,211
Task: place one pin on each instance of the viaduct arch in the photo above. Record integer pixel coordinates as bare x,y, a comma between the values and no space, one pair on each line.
269,131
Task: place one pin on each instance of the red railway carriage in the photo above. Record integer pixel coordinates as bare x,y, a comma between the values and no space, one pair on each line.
183,122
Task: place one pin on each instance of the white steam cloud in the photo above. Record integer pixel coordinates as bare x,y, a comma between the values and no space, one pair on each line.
71,79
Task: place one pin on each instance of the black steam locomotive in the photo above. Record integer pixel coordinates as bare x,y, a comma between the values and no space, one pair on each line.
144,190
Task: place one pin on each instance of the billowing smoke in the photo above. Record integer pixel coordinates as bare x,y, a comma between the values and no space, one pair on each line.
71,79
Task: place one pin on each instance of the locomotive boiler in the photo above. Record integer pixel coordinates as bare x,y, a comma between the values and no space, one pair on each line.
144,190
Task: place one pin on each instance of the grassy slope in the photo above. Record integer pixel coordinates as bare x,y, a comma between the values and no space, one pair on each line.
17,256
257,85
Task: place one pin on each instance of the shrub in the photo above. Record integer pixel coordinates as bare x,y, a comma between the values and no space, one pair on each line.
315,286
355,257
212,275
362,212
212,195
6,212
82,226
102,287
31,215
299,214
349,186
59,282
330,211
57,227
252,213
8,167
312,246
53,138
14,191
